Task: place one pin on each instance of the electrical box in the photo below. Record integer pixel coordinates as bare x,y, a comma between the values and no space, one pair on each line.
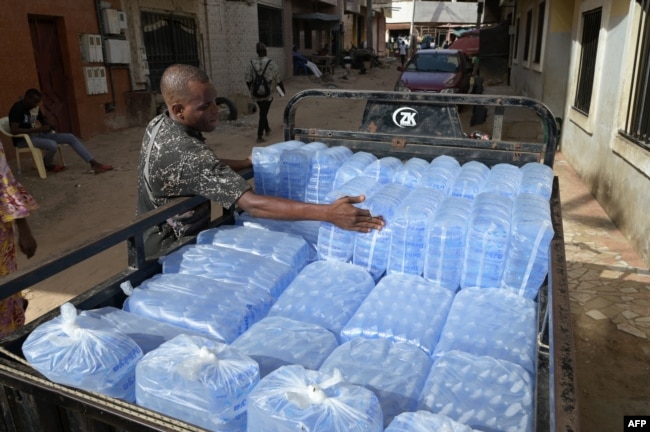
122,18
90,83
101,83
112,21
117,51
91,48
96,82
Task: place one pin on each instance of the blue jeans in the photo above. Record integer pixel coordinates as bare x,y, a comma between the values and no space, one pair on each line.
49,143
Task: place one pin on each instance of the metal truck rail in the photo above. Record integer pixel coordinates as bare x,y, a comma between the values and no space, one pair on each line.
403,125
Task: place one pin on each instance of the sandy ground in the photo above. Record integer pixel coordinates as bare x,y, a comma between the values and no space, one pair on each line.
76,206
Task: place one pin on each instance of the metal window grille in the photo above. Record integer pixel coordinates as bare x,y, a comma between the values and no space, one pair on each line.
270,26
637,125
590,31
529,29
168,39
539,38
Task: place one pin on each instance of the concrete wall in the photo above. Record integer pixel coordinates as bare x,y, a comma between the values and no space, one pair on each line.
546,81
616,170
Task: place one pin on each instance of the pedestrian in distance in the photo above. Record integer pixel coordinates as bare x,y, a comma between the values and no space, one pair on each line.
25,117
269,70
175,161
402,52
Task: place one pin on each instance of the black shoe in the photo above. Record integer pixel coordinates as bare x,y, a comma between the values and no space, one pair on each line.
260,140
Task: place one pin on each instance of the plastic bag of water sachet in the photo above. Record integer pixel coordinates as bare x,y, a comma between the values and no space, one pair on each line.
199,381
288,249
266,165
394,371
425,421
84,352
325,293
482,392
277,341
147,332
230,265
294,398
494,322
334,243
218,309
404,308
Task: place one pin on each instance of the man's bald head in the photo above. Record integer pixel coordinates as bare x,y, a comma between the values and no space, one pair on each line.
175,80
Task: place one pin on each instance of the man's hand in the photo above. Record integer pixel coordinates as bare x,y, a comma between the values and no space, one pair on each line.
46,128
346,216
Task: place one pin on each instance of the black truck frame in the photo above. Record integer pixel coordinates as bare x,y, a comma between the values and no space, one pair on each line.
402,125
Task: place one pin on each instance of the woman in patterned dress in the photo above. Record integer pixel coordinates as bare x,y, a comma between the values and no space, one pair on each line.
15,205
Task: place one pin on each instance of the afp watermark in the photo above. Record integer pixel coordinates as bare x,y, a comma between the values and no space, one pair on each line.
636,423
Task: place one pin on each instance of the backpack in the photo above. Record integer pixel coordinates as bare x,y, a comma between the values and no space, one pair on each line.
260,87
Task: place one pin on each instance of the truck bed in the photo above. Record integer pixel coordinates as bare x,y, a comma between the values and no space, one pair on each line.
402,125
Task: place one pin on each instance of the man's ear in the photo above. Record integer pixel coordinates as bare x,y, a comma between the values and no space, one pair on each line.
177,109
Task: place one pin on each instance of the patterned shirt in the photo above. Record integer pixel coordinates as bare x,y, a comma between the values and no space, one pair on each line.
182,165
272,74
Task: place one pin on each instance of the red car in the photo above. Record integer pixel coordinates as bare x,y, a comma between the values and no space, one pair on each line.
436,70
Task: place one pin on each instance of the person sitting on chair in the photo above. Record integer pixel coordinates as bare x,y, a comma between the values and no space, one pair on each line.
42,134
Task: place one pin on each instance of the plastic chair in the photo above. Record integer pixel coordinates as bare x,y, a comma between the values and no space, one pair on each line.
36,153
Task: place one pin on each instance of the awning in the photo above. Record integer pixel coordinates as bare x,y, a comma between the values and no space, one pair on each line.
317,16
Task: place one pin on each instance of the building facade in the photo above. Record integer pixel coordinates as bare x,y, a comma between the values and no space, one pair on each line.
588,60
98,63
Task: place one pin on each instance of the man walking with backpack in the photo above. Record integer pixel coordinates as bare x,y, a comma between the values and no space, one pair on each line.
262,76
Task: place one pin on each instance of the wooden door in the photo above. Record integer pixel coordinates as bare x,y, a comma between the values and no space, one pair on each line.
51,71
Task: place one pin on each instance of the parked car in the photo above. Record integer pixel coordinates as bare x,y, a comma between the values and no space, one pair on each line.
436,70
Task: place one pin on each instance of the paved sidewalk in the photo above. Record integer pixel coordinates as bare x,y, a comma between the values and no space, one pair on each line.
607,278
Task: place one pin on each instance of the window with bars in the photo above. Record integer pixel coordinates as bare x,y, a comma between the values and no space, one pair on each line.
168,39
529,31
587,68
637,122
515,52
270,26
539,37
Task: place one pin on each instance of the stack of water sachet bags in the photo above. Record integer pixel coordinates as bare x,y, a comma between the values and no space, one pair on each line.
428,324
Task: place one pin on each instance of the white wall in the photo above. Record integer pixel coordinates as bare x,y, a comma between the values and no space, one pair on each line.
433,11
615,170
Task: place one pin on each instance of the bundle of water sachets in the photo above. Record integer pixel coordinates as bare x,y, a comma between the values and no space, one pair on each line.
285,248
461,226
84,352
221,310
402,307
229,265
394,371
199,381
277,341
325,293
482,392
294,398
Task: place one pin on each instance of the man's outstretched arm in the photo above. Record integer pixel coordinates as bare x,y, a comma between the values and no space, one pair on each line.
341,212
